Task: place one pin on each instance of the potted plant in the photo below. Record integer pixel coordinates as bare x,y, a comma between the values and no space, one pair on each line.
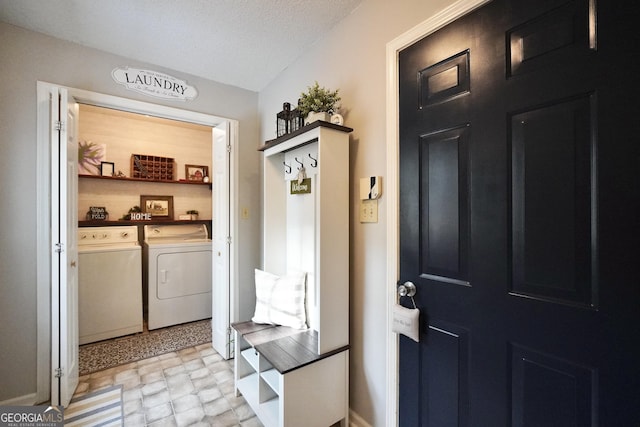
193,213
318,103
127,216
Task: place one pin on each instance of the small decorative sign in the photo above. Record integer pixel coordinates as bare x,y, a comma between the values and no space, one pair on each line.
140,216
154,83
97,213
303,187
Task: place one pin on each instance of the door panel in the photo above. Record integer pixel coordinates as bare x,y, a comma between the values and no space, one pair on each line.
64,255
445,218
516,201
221,254
552,150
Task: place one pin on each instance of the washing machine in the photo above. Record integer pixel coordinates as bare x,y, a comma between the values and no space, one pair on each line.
109,283
177,262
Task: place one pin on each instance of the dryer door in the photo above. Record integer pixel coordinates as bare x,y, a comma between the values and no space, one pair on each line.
180,274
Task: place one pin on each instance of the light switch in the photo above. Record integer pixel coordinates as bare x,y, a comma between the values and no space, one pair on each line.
369,210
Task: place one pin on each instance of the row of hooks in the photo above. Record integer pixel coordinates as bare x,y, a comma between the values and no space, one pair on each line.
287,168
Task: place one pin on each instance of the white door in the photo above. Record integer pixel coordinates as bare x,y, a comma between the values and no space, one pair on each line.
64,258
220,332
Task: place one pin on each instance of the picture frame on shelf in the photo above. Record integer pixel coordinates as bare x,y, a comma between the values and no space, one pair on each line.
107,168
196,173
160,207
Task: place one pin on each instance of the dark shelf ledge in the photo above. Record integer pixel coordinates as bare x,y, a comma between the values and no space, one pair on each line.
125,178
97,223
319,123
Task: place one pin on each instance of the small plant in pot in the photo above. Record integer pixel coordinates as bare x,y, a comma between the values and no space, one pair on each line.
318,103
193,213
127,216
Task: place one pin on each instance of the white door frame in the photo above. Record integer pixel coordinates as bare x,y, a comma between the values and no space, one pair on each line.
44,214
441,19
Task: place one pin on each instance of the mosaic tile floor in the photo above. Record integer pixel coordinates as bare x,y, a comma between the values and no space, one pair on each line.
189,387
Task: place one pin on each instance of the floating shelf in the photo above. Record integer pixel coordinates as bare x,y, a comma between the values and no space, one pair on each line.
124,178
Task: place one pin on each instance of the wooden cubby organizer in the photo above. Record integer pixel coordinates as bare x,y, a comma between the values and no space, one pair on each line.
292,377
152,167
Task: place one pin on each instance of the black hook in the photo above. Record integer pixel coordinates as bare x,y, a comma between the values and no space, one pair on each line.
301,164
315,161
287,168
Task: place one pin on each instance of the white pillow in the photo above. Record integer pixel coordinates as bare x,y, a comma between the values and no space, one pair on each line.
280,300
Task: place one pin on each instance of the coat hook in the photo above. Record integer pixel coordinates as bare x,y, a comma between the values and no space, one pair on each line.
287,168
301,164
315,161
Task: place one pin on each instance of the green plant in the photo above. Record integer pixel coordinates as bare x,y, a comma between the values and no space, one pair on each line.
318,99
192,212
133,209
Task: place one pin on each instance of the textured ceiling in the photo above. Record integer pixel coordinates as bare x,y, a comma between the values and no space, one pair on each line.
243,43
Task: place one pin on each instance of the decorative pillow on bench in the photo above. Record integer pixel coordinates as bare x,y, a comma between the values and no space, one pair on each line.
280,300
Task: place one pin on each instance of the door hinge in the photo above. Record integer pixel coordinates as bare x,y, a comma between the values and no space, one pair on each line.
59,125
229,330
228,240
228,148
58,373
59,247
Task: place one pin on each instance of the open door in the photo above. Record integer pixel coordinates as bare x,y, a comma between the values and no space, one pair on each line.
221,302
64,251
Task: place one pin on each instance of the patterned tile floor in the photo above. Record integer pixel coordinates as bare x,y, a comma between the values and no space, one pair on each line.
190,387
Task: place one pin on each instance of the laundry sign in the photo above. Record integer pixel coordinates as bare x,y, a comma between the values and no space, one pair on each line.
154,83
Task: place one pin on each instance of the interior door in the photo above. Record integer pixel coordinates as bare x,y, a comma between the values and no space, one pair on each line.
518,203
221,241
64,325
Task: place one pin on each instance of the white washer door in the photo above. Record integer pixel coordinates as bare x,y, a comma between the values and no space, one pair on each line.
110,293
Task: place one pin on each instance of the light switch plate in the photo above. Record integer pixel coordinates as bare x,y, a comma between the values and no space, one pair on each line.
369,210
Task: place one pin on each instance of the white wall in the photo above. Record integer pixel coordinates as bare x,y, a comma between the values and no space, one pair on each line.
352,58
27,57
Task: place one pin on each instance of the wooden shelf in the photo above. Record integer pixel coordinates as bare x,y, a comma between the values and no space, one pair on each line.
153,221
161,181
319,123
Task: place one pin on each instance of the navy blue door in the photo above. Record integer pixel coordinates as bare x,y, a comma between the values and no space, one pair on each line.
519,218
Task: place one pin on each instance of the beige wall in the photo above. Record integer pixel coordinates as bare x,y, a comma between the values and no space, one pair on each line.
352,58
27,57
123,134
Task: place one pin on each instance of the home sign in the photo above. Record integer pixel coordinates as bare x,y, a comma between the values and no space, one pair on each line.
154,83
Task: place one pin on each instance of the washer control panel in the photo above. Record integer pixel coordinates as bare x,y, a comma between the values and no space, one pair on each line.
117,235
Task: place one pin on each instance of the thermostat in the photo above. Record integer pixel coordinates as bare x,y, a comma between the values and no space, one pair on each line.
370,188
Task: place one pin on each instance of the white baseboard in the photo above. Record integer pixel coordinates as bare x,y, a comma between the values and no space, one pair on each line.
26,400
356,420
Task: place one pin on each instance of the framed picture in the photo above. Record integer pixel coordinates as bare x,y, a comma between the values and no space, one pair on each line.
160,207
107,168
195,172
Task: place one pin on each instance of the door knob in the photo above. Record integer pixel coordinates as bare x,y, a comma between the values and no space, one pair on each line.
73,263
407,289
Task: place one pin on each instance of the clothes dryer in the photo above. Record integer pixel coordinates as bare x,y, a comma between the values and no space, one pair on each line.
177,261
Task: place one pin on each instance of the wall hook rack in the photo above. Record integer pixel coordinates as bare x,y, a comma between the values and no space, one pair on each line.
301,163
287,168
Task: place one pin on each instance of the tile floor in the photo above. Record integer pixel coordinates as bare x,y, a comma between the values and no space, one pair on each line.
190,387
